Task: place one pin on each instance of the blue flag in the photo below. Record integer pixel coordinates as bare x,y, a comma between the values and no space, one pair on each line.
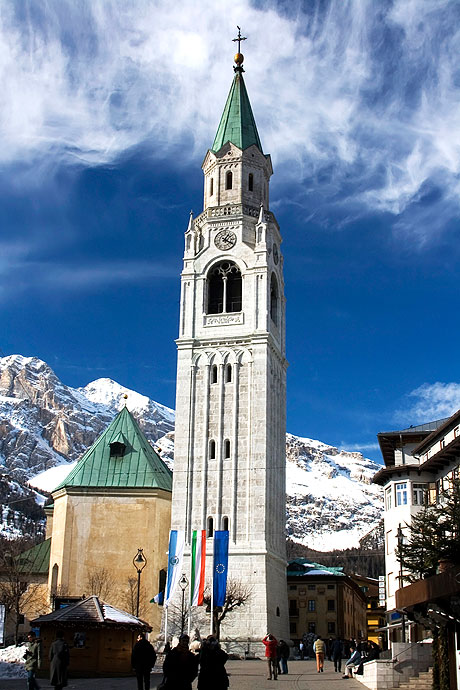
220,567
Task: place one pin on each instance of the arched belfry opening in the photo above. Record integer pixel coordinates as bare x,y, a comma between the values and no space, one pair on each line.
224,288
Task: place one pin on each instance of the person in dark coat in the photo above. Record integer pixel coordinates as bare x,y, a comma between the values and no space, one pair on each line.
59,661
337,653
212,660
180,667
143,659
283,651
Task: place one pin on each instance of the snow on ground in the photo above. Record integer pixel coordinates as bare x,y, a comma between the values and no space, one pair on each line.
50,479
11,662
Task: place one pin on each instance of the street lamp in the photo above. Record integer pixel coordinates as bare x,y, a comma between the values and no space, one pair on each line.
183,583
139,562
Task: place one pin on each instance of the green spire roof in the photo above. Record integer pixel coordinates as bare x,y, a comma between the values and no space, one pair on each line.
137,465
237,123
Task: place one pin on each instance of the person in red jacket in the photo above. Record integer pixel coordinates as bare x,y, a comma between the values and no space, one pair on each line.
271,644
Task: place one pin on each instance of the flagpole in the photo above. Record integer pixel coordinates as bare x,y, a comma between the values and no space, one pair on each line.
190,592
212,586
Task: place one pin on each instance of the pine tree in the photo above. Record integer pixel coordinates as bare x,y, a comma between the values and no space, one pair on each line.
433,537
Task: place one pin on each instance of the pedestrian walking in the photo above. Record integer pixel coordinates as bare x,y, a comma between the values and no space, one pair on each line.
143,659
180,667
337,653
283,651
32,660
319,648
301,650
59,661
271,644
212,659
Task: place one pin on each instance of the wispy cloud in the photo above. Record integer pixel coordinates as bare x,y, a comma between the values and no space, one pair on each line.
431,401
21,275
357,100
358,447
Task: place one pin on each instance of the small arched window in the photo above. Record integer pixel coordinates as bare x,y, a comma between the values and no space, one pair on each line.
212,450
274,300
228,373
226,449
210,527
229,180
214,373
211,186
225,523
251,182
224,288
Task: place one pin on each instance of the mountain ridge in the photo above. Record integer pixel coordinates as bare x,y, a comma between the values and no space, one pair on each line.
45,424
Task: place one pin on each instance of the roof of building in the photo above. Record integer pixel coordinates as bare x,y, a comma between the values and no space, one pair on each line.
237,124
93,612
389,440
36,559
438,432
121,457
302,567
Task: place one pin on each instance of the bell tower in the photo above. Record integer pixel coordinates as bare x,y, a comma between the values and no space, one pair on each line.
229,459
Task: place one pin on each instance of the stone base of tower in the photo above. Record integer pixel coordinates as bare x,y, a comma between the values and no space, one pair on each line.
263,576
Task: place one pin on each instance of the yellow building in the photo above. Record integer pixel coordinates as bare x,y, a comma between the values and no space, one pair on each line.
115,501
324,601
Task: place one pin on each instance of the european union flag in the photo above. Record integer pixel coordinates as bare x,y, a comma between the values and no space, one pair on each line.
220,567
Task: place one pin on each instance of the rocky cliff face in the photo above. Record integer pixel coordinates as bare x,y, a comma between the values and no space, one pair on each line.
44,424
331,503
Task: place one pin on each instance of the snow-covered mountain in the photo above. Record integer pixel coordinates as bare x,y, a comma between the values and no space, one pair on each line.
45,426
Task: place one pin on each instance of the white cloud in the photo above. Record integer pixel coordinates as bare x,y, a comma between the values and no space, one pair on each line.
433,401
360,98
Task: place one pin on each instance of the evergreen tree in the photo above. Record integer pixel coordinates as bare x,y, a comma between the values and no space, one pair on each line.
433,537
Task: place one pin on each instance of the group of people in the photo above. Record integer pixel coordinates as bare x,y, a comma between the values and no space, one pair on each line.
59,661
181,666
338,649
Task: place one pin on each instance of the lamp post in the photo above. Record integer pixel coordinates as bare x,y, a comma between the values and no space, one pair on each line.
183,583
139,562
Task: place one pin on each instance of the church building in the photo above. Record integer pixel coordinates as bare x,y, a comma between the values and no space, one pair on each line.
229,459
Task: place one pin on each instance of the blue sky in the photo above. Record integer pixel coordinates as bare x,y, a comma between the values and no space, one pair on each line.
108,110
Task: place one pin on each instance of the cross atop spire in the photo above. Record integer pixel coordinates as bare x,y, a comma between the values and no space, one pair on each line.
239,57
239,38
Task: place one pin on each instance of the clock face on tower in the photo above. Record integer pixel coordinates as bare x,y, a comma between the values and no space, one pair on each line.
225,239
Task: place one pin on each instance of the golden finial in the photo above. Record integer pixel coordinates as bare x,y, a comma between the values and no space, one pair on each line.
125,398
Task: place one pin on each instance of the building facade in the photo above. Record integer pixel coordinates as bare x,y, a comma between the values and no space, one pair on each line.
229,458
116,499
324,601
422,467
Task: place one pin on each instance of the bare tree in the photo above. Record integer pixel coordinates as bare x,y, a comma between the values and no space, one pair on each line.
237,595
101,583
18,592
128,598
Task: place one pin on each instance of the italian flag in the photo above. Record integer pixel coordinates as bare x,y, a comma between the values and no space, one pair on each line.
198,560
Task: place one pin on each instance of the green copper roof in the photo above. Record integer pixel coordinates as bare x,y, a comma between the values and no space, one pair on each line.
237,123
139,466
37,559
